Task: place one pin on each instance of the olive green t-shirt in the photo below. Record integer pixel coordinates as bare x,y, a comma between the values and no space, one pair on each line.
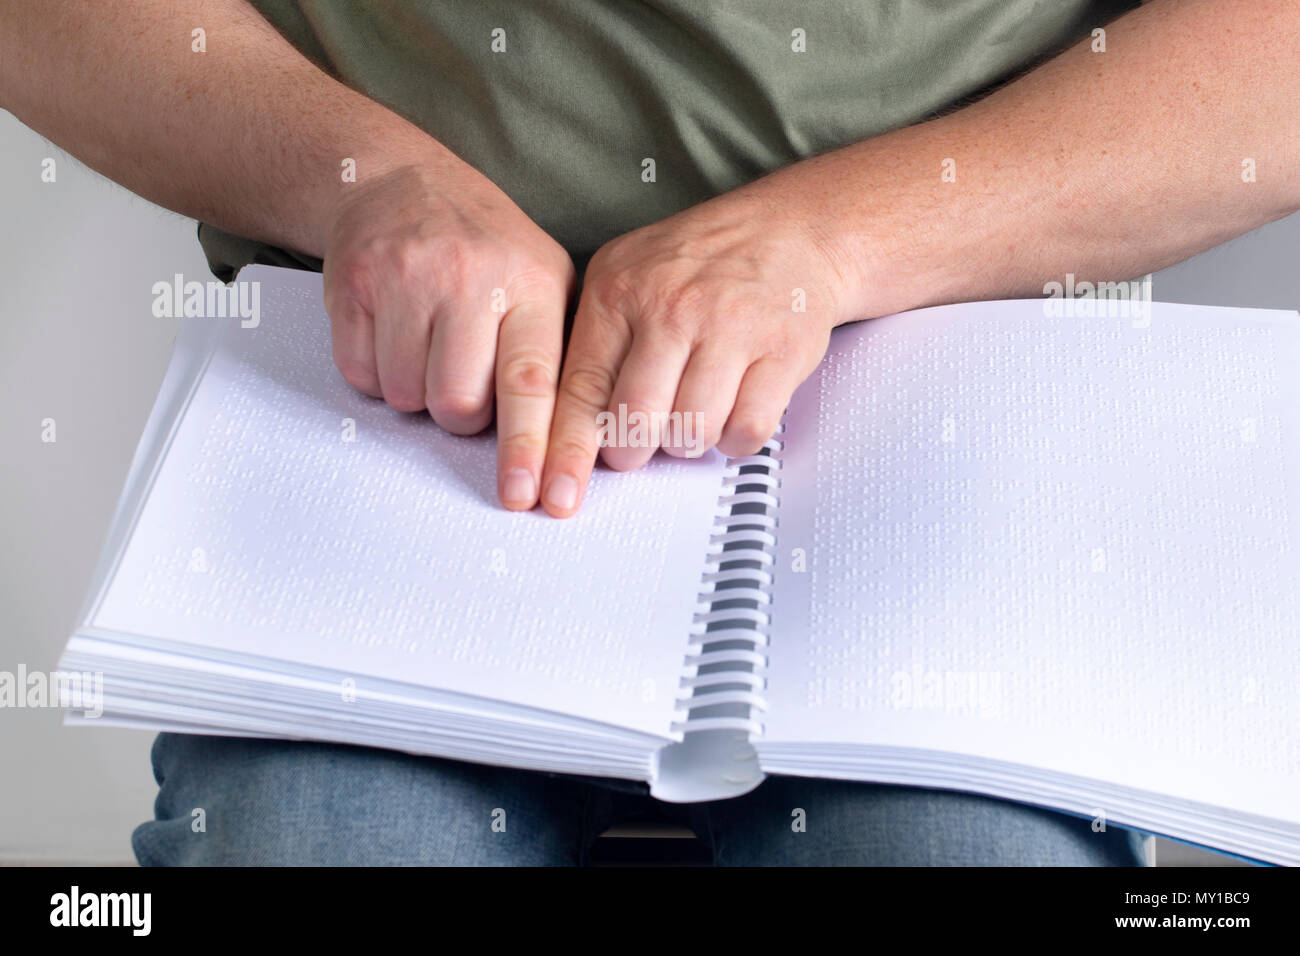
562,102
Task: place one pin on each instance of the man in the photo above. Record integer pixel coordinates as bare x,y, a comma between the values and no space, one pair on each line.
447,163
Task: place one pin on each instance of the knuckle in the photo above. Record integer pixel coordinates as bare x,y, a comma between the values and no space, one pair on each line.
609,290
455,259
528,376
750,432
572,449
410,261
693,436
679,309
779,345
351,280
590,386
358,374
684,299
707,434
450,407
677,325
539,281
522,446
404,398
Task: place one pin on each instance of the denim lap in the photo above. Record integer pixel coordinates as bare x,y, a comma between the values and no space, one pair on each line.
294,803
278,802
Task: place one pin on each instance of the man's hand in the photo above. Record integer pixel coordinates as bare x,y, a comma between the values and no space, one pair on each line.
440,290
717,313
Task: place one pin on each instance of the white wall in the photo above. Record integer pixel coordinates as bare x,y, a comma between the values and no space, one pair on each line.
78,344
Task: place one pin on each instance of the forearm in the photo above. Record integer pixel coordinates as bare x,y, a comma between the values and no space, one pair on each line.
1106,165
249,136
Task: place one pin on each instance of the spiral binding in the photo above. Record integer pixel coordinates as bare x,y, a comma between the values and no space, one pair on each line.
726,660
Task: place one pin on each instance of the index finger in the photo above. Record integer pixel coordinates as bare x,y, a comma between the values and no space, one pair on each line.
529,343
597,347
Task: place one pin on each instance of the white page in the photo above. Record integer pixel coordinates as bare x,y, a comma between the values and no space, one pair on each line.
266,533
1066,542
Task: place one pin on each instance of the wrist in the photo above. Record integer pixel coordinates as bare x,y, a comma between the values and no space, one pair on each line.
893,249
865,252
895,235
399,151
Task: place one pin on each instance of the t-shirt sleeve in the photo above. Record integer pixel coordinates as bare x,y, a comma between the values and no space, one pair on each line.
227,254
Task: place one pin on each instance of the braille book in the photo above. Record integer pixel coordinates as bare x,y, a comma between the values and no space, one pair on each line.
1046,554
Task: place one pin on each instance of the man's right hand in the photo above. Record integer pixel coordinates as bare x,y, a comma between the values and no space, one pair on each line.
442,293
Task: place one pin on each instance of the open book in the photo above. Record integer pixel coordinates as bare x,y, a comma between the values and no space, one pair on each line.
1052,559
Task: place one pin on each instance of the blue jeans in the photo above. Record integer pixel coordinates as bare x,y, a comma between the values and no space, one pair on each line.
233,801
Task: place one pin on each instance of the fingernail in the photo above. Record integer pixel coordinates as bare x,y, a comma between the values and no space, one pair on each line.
519,486
562,493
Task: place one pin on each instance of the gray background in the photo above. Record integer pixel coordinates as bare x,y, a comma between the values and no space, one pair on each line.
78,344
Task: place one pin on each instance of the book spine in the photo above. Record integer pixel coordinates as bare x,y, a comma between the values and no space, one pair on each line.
725,677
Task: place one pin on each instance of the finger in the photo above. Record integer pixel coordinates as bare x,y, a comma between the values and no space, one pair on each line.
527,368
402,336
705,399
600,340
764,393
461,360
352,331
643,397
